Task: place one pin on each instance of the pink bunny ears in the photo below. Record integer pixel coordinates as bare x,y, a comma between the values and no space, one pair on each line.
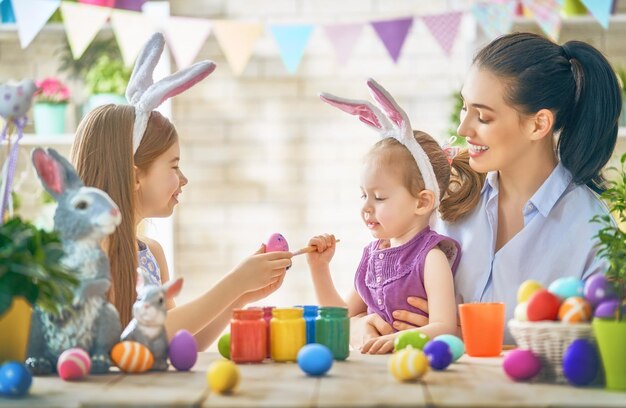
145,95
391,121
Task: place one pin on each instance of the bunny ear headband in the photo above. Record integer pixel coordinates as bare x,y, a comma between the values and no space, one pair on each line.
391,121
145,95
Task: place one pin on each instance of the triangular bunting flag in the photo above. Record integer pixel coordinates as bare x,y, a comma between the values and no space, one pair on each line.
600,10
185,37
82,23
444,27
343,38
495,18
393,33
547,15
132,31
292,40
31,16
237,41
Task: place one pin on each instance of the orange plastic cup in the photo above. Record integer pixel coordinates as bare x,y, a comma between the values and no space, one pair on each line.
482,325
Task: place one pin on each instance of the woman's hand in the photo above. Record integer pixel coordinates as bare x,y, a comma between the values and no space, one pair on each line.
262,271
403,319
325,249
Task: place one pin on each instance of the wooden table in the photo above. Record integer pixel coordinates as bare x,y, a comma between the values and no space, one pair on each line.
362,380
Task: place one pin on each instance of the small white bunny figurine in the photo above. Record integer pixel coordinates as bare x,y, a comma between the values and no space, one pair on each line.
149,313
84,216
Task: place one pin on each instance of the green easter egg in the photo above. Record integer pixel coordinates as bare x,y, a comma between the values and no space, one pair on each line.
223,345
412,338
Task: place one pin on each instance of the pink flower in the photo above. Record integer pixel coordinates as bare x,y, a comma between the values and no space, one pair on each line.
51,90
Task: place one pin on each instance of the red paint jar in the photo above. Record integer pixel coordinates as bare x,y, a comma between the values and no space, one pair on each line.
248,336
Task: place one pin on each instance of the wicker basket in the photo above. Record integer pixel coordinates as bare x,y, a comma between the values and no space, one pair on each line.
549,340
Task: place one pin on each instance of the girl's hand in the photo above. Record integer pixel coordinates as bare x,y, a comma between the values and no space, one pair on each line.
379,345
261,270
403,319
325,245
262,293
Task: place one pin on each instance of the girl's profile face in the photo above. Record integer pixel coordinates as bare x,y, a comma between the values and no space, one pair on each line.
389,209
158,188
494,130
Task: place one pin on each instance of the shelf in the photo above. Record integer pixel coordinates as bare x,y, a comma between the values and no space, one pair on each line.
65,139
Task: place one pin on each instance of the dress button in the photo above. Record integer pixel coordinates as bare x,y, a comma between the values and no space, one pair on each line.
378,279
381,256
380,301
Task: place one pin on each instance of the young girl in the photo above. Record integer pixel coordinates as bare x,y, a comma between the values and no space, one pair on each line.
132,153
541,120
406,177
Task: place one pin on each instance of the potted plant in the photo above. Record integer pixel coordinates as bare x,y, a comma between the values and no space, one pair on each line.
609,324
31,273
106,82
51,99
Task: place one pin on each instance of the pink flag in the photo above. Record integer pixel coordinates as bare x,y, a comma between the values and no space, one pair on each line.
444,27
546,13
393,33
343,37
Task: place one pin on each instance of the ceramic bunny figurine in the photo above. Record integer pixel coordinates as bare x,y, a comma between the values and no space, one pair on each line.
84,216
149,313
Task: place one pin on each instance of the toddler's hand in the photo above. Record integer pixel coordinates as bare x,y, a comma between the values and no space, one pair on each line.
379,345
325,245
262,269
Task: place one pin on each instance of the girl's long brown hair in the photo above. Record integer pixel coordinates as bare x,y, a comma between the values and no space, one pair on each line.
460,186
102,155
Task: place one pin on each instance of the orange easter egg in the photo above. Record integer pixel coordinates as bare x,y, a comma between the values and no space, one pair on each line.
575,310
132,357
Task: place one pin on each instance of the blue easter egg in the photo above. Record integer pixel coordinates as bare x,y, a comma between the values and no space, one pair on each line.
580,362
315,359
567,287
457,347
438,354
15,379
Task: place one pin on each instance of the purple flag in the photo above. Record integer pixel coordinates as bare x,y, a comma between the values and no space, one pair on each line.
343,37
444,27
393,33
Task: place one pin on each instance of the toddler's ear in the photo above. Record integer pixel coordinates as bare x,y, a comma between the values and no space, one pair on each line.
425,202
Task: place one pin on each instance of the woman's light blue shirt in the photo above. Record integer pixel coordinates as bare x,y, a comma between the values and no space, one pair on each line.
557,240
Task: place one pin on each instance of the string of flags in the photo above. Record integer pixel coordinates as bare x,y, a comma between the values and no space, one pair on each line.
185,35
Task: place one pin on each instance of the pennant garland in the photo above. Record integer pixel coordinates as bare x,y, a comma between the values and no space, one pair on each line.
444,27
343,38
292,40
132,31
495,18
82,23
600,10
186,36
237,41
547,15
31,16
393,34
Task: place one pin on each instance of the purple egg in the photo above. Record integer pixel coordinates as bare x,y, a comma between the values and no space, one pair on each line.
581,362
183,351
607,309
438,354
276,242
521,365
598,289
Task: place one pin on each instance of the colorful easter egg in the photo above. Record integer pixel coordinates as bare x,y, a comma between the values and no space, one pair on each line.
608,309
526,289
411,338
521,365
73,364
438,354
15,379
543,305
276,242
408,364
223,346
567,287
315,359
457,347
598,289
222,376
575,310
183,351
521,312
581,362
132,357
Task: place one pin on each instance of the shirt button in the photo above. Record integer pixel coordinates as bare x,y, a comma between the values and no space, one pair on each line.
381,256
380,301
529,207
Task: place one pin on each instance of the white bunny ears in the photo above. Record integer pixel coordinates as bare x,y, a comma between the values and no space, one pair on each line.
145,95
394,123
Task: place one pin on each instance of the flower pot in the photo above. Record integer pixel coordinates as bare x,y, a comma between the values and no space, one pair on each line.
610,335
49,118
103,99
103,3
14,326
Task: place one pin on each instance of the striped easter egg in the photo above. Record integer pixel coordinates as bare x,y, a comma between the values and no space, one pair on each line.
132,357
575,310
73,364
408,364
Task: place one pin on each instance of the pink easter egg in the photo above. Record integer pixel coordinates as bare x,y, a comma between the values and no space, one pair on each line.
73,364
276,242
521,365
